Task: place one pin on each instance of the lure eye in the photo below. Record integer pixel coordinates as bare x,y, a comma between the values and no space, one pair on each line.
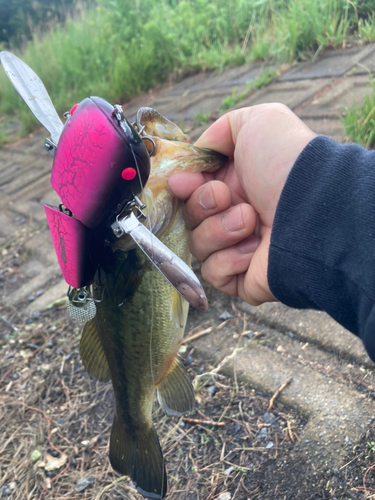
128,174
100,163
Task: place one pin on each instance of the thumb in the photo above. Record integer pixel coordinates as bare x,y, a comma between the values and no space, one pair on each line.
222,135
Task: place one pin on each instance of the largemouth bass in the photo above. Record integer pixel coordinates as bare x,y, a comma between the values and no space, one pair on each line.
140,320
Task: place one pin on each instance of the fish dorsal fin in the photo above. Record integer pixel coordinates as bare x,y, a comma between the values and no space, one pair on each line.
92,352
175,391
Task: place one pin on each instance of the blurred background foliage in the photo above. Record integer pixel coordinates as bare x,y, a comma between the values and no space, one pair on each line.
119,48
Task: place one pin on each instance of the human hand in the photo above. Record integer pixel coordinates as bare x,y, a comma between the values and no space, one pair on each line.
230,212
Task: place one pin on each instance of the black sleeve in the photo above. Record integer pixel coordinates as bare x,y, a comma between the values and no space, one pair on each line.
322,253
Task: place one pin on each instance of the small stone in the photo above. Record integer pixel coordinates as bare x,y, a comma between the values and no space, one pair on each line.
269,418
211,389
53,453
262,434
182,424
270,445
225,315
33,346
31,298
237,428
5,491
224,496
29,321
60,420
291,335
250,335
35,315
188,360
82,484
39,293
229,470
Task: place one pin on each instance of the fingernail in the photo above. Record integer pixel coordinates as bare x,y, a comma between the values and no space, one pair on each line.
249,245
206,198
232,221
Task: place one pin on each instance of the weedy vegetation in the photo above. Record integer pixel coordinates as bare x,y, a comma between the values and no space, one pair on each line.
201,119
122,48
265,78
359,119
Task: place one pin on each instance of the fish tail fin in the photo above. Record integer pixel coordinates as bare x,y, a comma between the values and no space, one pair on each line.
139,457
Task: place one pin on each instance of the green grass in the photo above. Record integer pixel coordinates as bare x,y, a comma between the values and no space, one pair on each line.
124,47
265,78
359,120
201,119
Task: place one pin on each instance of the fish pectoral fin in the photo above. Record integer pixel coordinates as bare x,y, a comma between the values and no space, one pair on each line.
139,456
175,391
179,310
92,352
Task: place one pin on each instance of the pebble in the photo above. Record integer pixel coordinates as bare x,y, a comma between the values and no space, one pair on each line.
82,484
39,293
53,453
237,428
228,471
224,496
35,315
211,389
188,360
225,315
269,418
33,346
262,434
250,335
31,298
5,491
270,445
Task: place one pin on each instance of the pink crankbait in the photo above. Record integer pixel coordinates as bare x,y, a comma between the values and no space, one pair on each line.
100,166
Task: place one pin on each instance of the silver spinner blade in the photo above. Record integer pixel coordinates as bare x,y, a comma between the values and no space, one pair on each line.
174,269
33,92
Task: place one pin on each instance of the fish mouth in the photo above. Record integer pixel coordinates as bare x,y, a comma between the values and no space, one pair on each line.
172,157
171,149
